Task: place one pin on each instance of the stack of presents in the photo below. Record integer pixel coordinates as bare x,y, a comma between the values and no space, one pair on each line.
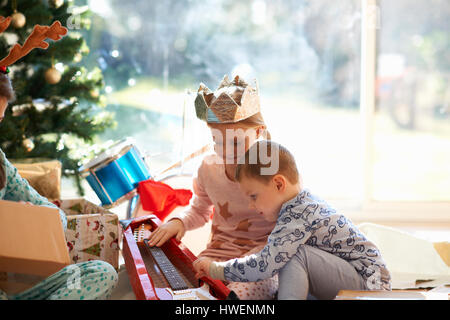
92,231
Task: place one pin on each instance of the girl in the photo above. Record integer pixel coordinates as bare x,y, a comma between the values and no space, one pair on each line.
233,115
87,280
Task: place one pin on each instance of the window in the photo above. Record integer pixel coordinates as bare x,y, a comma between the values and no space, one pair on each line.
412,117
407,124
358,90
305,55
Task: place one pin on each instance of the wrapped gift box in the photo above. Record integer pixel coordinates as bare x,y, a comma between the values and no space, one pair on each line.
92,232
43,175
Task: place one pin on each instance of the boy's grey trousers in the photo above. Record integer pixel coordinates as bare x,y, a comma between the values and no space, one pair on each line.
319,273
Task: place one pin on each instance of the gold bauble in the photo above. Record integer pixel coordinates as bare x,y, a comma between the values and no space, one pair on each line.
28,144
77,57
18,20
95,93
52,76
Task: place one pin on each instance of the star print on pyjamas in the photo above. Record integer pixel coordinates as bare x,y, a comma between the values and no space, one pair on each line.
223,210
215,244
243,245
243,225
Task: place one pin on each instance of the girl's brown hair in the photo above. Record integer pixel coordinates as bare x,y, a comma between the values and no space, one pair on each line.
6,91
2,175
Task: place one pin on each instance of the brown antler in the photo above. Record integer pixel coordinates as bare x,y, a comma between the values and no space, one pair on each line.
4,23
34,40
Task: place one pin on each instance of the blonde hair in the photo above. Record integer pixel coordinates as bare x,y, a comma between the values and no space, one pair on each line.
254,121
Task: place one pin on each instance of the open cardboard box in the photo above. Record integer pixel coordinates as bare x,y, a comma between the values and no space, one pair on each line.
32,242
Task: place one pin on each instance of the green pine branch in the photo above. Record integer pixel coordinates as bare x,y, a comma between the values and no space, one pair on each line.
52,116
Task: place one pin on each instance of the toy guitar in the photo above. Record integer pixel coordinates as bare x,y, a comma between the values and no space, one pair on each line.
179,289
165,272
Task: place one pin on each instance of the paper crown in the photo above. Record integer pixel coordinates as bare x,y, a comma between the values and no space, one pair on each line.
231,102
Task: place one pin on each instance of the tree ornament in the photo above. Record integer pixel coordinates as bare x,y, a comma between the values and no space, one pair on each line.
28,144
56,3
95,93
18,20
77,57
52,75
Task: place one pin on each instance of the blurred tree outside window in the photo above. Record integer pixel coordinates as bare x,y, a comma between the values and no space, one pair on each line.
412,121
306,56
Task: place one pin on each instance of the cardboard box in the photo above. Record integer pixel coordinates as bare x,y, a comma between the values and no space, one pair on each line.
92,232
31,239
43,175
32,245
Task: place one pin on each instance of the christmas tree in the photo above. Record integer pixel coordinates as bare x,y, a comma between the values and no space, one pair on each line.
58,109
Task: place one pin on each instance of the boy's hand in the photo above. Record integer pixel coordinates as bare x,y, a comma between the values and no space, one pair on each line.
167,231
201,267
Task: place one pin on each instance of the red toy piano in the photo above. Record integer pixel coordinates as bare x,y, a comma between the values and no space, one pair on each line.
166,272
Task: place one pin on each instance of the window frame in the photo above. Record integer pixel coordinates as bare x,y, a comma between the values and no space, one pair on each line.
376,210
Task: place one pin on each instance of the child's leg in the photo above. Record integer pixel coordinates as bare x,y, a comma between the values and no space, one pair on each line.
260,290
82,281
318,272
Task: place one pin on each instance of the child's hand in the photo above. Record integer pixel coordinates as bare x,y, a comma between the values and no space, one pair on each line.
201,267
167,231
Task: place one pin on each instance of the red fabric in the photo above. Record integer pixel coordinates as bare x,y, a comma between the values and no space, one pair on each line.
160,198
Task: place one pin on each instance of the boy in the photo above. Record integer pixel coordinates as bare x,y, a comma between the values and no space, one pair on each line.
312,248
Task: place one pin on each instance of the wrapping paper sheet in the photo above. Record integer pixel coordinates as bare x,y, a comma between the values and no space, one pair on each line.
412,261
92,232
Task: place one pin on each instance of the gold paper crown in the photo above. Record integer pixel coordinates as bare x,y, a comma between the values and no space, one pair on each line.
231,102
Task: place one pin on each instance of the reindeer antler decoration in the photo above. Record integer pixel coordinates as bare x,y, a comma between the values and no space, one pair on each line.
34,40
4,23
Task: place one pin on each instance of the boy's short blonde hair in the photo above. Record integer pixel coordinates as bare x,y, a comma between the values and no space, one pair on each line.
251,166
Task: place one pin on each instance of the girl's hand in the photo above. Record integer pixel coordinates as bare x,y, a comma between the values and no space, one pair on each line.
167,231
201,267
